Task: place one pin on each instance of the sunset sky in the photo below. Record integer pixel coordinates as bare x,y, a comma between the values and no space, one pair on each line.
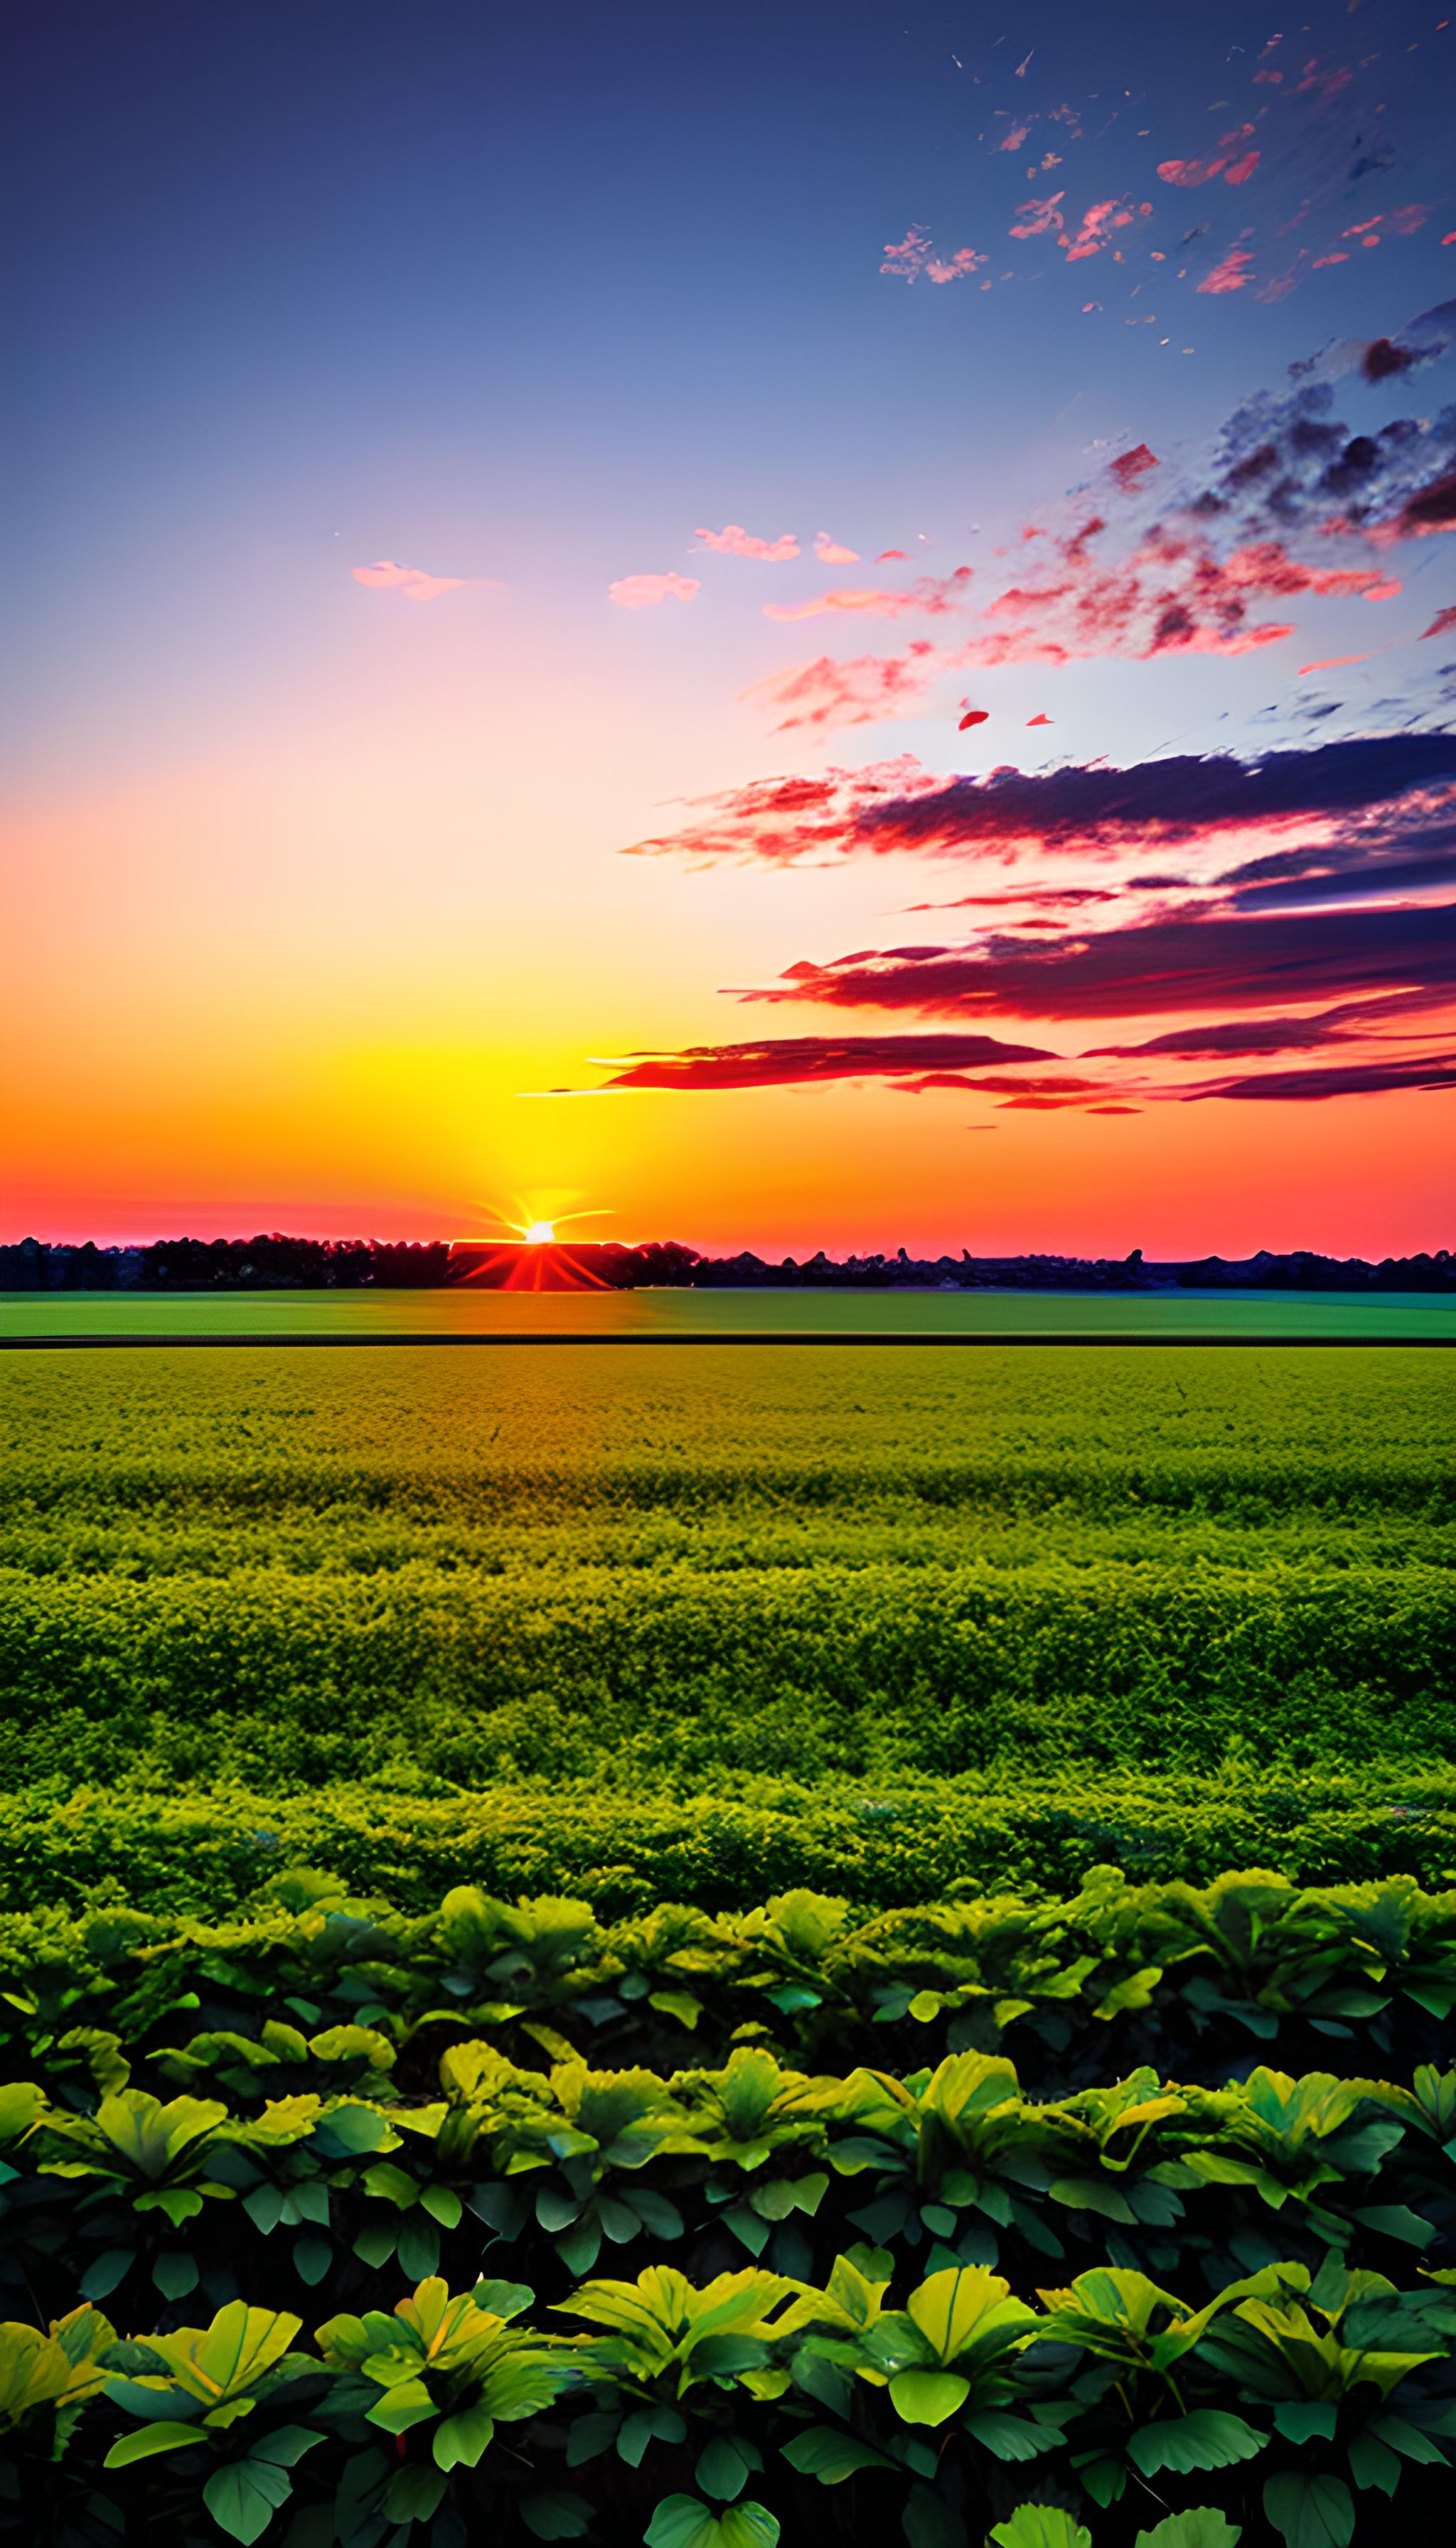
508,518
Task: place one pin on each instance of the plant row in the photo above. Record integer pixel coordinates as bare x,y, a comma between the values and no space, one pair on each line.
1191,1980
287,2194
867,1668
709,2415
188,1849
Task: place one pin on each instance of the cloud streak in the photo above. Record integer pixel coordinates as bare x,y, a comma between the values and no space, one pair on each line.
929,596
785,1061
1153,968
645,591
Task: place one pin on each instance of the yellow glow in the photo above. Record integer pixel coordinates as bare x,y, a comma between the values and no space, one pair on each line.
539,1233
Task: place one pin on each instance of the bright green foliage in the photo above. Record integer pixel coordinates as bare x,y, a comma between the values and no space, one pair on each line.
447,1573
448,2363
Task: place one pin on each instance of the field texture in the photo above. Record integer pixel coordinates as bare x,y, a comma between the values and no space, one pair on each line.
798,1583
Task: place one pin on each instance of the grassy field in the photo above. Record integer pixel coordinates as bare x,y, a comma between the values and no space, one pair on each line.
719,1573
1416,1318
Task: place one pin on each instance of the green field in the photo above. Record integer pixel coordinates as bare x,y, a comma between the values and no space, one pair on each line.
1414,1318
415,1763
807,1583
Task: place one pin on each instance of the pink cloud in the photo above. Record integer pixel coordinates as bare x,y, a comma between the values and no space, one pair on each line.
829,552
734,541
931,594
1044,214
887,554
949,269
385,575
911,256
643,592
1234,170
1329,663
1229,274
826,693
1443,621
907,256
784,819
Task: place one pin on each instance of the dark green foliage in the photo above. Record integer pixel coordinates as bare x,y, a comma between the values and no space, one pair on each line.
1117,1976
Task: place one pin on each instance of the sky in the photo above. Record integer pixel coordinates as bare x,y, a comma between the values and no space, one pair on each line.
779,627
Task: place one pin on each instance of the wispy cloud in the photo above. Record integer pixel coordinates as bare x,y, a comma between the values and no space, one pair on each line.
1153,967
734,541
644,591
386,576
929,596
828,693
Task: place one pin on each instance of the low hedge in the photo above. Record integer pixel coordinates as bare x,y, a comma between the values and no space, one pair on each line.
1191,1981
209,1849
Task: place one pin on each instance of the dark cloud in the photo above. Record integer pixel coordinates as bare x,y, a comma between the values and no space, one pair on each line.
1247,1037
1151,969
791,1061
1287,461
1157,800
1349,1079
898,805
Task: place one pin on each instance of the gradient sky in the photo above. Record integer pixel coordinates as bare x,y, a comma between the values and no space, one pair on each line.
317,887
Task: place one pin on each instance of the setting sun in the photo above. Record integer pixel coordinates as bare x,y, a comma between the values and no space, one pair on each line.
539,1233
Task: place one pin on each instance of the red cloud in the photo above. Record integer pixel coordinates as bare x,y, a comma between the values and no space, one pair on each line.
1131,465
734,541
826,693
642,591
887,554
1443,620
411,580
930,594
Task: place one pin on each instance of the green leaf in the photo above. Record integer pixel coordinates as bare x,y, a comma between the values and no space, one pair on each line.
1397,2220
831,2456
243,2497
1310,2512
1200,2529
1202,2440
1012,2437
312,2258
502,2300
681,2521
748,2526
722,2471
105,2271
416,2493
928,2396
149,2441
556,2516
461,2439
1301,2419
1041,2525
405,2402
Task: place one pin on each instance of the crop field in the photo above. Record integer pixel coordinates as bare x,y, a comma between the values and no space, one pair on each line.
598,1942
742,1575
